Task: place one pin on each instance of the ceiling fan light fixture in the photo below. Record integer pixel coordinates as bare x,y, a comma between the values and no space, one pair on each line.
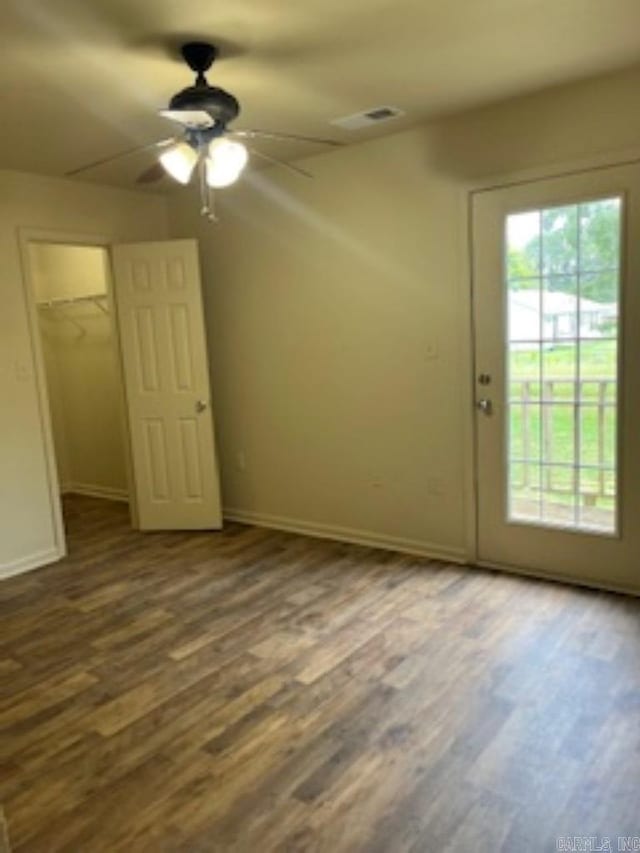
179,161
204,113
225,162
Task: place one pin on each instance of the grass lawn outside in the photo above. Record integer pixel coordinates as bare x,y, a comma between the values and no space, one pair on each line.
557,421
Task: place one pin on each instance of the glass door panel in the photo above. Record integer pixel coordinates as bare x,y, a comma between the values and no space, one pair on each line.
562,285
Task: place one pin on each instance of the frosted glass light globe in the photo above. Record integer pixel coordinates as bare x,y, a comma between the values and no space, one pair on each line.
180,161
225,162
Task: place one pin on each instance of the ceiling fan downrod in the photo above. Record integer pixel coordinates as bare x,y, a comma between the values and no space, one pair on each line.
199,56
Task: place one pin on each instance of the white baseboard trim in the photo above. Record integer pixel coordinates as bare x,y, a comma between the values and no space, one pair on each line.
27,564
347,534
93,491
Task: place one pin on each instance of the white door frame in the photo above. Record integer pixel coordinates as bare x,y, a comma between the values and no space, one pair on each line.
26,236
468,327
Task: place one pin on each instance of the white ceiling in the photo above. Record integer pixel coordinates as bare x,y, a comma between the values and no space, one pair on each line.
81,79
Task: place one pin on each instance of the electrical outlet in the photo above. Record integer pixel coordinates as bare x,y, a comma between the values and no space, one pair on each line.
241,461
23,372
435,487
431,350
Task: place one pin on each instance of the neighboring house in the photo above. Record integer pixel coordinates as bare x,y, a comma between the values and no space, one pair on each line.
559,316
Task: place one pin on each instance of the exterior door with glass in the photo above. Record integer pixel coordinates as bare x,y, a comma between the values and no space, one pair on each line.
556,300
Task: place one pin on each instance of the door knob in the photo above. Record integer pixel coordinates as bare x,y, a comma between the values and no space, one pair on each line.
485,406
201,405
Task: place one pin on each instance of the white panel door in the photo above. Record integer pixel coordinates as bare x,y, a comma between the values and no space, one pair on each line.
556,312
164,356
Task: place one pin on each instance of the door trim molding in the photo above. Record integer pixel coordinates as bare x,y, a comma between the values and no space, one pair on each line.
468,338
30,562
25,236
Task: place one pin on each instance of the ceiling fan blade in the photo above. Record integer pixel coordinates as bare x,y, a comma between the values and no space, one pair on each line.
154,173
113,157
193,119
284,137
276,162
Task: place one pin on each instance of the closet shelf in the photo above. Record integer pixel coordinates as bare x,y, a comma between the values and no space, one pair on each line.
60,302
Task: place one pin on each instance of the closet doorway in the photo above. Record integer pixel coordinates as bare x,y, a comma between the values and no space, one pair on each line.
122,367
76,325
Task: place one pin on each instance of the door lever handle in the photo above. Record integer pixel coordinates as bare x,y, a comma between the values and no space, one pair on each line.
201,405
485,406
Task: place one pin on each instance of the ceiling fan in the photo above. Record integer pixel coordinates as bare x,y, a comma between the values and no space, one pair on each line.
207,146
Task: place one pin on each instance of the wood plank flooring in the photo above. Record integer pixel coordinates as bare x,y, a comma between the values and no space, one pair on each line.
260,691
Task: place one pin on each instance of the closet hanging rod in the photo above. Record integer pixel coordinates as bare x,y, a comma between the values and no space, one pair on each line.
71,300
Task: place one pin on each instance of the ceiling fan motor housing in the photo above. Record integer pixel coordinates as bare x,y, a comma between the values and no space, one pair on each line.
221,105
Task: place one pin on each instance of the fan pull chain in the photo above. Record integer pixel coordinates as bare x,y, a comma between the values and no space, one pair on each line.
213,216
207,198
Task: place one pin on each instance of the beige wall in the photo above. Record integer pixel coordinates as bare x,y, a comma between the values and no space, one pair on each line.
31,201
337,314
61,271
85,393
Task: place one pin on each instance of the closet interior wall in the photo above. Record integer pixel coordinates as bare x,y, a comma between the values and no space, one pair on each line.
83,380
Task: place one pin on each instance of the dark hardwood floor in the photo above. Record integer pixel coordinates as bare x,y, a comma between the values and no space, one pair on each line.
260,691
